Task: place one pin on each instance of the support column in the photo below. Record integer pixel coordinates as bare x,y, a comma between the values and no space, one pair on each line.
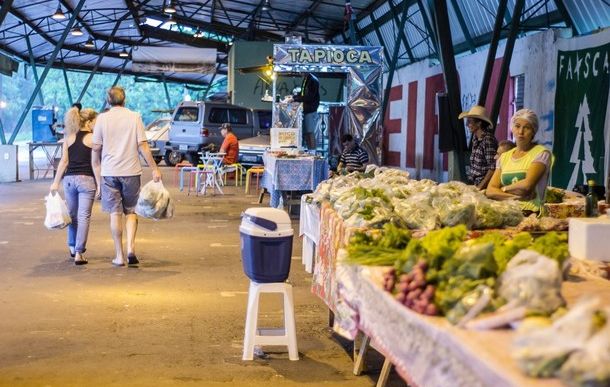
33,64
60,43
508,54
169,101
101,55
63,69
457,164
491,54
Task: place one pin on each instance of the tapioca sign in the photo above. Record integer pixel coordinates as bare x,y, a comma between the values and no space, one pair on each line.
327,55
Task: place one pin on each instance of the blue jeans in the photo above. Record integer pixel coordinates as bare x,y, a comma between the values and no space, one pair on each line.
80,194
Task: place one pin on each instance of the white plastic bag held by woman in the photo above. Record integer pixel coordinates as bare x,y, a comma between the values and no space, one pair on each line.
155,202
57,216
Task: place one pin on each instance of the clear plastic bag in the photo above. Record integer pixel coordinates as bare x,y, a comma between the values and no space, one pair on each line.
533,281
542,352
590,366
57,216
155,202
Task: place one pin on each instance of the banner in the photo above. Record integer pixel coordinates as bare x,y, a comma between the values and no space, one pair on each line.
581,101
156,60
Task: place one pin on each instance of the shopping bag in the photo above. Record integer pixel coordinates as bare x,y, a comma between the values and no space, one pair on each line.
57,216
155,202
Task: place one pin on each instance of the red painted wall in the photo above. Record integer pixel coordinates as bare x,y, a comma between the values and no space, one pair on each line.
391,158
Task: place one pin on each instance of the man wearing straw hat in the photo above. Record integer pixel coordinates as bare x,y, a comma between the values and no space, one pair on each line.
484,146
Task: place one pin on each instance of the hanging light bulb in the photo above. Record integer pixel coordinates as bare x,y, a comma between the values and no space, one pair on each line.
198,33
59,14
169,8
124,54
76,31
90,43
266,5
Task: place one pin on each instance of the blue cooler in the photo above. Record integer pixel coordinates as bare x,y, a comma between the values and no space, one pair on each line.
266,244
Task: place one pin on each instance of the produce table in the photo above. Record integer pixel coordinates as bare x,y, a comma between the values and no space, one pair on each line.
426,351
429,351
291,174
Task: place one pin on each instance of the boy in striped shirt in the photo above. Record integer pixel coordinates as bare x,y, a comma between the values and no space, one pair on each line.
353,158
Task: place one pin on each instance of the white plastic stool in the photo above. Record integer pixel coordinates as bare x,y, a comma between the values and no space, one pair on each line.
270,336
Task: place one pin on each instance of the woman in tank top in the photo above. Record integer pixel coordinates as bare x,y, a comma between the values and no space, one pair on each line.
79,178
522,172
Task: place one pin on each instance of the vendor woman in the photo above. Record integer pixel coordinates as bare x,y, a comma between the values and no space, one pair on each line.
522,172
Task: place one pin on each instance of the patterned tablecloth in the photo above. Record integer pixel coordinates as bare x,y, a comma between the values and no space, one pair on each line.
292,174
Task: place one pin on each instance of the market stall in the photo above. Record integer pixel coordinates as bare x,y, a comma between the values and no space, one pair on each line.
456,266
361,67
286,173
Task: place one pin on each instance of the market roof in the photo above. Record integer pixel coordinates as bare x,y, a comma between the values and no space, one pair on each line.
29,33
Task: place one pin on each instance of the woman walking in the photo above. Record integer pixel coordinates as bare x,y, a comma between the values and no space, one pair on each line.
81,181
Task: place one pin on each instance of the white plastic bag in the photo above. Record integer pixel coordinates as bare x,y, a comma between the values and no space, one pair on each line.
155,202
57,216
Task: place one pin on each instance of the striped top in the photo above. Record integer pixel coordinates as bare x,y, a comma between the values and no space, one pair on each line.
354,159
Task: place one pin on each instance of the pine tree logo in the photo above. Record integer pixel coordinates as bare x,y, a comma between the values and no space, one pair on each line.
581,153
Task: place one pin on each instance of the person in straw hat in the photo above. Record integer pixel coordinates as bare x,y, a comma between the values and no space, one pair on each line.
484,146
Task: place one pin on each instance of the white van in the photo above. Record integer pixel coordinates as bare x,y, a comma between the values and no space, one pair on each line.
195,127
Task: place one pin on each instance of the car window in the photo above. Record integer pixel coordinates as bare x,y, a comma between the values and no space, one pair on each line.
218,116
157,125
238,116
264,119
187,113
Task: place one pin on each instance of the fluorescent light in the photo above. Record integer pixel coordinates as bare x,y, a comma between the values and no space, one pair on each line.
266,5
169,8
90,43
153,22
124,54
76,31
59,14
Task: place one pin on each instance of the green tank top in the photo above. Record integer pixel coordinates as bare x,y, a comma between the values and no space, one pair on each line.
514,170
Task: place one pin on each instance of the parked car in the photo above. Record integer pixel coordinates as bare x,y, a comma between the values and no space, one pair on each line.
251,149
157,134
195,127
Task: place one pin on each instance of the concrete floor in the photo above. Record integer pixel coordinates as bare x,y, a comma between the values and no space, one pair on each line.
178,319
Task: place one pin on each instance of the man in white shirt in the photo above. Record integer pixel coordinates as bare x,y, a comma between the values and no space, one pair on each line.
118,136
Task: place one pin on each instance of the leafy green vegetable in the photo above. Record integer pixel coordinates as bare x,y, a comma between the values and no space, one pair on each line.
553,245
554,195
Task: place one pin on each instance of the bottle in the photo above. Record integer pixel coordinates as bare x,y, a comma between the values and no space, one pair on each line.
591,201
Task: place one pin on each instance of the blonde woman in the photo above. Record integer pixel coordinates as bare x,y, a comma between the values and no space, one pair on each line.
81,180
522,173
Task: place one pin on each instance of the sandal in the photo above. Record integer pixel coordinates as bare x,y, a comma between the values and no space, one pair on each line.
81,261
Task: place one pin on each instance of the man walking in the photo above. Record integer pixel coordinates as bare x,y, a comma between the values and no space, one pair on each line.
118,135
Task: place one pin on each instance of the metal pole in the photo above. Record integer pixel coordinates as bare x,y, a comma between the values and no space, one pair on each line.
33,64
392,65
101,55
2,137
508,53
491,54
403,37
380,37
6,6
46,70
450,74
63,68
207,89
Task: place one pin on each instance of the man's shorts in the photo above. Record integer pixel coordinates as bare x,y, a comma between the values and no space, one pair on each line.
120,194
310,121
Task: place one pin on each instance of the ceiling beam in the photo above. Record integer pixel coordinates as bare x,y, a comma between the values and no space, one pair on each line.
310,10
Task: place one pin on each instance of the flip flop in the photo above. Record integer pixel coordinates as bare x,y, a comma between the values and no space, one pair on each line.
132,260
80,261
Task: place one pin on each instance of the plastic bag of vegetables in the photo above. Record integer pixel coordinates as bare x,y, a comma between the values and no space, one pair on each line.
591,366
454,211
532,281
542,352
417,212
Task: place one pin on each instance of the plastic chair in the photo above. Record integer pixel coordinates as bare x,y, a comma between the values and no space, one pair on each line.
257,170
238,169
177,168
270,336
189,170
